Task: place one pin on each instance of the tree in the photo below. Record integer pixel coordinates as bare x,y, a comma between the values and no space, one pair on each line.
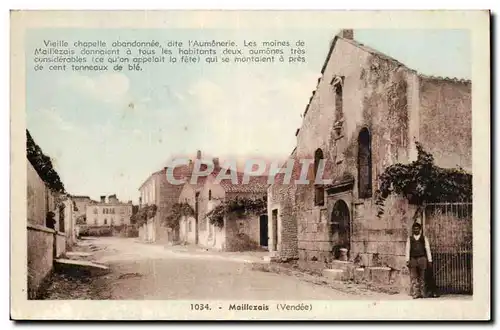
240,206
43,165
421,181
81,220
175,213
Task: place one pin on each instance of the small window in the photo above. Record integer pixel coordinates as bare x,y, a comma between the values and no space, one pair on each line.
210,195
364,164
123,220
319,191
105,221
338,101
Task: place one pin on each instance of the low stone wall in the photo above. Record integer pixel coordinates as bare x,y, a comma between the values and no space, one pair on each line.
40,257
60,244
242,234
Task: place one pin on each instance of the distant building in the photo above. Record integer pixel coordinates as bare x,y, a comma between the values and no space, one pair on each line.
238,233
81,204
109,213
156,190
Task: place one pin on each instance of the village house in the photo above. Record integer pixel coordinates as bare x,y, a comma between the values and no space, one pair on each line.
81,203
109,213
80,211
188,224
366,113
235,232
158,191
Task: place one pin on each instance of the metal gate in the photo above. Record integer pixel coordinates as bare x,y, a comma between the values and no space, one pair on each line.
448,226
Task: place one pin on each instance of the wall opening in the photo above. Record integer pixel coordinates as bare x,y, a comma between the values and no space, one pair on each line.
340,228
364,164
196,206
319,190
275,229
338,101
264,233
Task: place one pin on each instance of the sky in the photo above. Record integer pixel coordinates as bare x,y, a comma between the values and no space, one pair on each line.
106,133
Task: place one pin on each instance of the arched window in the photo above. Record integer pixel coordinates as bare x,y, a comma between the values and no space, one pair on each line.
338,101
364,164
319,190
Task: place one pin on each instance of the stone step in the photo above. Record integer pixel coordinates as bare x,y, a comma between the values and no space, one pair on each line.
80,267
335,274
375,275
269,259
347,266
78,254
380,275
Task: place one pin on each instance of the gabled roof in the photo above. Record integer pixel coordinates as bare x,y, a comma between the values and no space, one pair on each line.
449,79
375,53
362,47
180,172
256,184
79,197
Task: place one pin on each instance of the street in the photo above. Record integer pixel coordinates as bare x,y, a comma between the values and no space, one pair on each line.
149,271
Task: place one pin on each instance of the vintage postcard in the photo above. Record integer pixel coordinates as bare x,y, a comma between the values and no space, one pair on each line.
250,165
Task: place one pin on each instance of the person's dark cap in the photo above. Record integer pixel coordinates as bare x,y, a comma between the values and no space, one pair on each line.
416,225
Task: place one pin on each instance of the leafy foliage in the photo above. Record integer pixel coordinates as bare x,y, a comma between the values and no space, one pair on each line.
422,181
175,213
43,165
144,214
81,220
240,206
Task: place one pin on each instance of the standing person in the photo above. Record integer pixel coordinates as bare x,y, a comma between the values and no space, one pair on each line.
418,259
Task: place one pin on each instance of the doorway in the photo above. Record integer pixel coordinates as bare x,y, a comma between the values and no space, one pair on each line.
341,225
275,229
264,238
196,230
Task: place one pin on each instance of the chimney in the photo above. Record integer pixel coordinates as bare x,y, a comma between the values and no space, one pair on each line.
216,163
103,199
346,34
198,154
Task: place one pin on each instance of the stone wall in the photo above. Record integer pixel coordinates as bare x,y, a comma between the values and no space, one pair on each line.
37,194
281,202
380,242
40,257
242,234
446,121
377,95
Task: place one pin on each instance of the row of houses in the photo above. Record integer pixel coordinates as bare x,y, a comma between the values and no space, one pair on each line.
367,112
201,197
